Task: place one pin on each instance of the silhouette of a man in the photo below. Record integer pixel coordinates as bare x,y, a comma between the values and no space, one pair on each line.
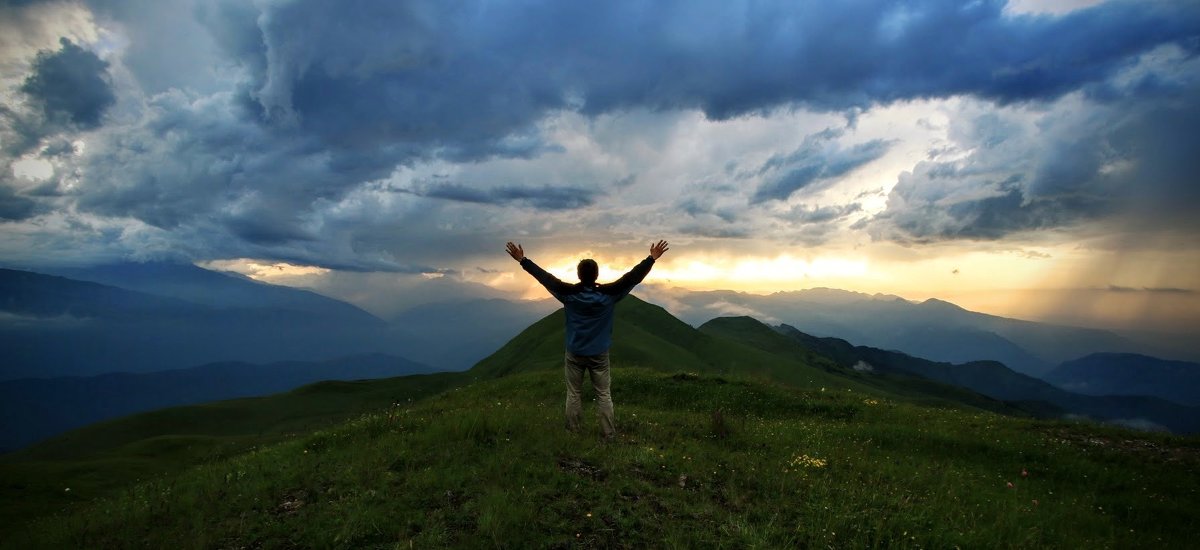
589,310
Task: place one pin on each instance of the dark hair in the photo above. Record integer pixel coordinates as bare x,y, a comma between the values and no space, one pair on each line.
588,271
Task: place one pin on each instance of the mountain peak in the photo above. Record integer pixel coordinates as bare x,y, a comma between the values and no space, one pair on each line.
941,304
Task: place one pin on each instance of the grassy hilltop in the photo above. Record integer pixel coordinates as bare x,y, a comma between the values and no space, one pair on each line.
729,436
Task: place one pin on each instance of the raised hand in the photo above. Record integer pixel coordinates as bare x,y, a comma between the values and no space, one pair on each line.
516,251
657,250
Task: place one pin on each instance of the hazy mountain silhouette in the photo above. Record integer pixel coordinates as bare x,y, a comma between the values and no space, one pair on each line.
434,333
53,326
184,315
157,316
457,334
214,289
933,329
1130,374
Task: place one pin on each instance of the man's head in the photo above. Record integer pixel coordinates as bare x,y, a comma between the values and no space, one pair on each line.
588,271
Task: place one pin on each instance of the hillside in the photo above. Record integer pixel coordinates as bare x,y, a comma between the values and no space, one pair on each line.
104,458
32,409
1130,374
908,385
97,459
731,435
489,465
645,335
997,381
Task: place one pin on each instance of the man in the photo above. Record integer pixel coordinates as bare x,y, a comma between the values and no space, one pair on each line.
589,310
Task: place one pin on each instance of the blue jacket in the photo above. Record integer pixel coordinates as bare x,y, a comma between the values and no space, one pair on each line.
589,308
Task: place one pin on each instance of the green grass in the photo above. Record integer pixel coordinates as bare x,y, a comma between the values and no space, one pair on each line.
731,435
97,460
490,465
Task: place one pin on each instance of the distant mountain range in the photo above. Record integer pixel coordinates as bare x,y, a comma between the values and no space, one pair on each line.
55,326
145,318
1129,374
932,329
649,336
993,379
157,316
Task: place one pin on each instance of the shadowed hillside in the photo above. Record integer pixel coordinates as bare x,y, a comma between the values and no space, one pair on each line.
997,381
1130,374
702,461
32,409
730,435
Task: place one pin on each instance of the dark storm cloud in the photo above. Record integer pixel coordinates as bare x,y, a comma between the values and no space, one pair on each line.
988,218
70,86
14,206
715,231
545,197
816,164
463,75
822,214
321,97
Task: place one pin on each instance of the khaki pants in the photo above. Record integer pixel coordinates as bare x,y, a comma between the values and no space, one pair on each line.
597,365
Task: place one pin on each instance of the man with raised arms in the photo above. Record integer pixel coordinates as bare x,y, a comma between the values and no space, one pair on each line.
589,311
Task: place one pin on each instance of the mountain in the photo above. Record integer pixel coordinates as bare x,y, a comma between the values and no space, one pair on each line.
720,428
452,332
997,381
647,336
36,408
215,289
1130,374
456,334
54,326
933,329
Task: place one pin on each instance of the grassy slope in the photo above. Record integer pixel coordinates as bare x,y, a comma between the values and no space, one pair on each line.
646,335
99,459
754,333
654,412
489,465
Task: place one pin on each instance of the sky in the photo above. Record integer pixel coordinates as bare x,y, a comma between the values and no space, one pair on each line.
1032,158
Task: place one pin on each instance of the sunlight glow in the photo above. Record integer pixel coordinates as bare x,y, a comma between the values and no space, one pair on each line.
782,272
33,168
270,272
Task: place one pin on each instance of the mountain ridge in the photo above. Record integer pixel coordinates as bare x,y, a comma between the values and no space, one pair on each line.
1130,374
996,380
33,409
682,391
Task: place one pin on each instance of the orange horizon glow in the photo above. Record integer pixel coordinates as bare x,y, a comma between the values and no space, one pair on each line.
1043,284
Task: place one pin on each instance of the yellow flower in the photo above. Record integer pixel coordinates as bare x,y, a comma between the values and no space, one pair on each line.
808,461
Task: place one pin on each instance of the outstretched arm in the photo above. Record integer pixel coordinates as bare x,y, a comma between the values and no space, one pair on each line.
556,287
625,284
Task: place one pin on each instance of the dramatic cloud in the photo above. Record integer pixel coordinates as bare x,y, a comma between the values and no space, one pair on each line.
817,163
70,86
547,197
13,206
1119,151
409,136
